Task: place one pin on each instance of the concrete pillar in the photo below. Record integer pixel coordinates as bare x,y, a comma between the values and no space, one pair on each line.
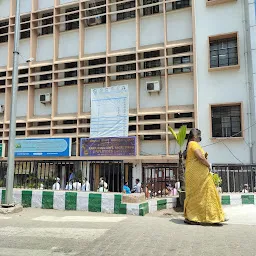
63,177
136,171
86,170
126,172
97,176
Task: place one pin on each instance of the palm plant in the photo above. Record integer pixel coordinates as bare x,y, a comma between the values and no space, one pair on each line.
180,138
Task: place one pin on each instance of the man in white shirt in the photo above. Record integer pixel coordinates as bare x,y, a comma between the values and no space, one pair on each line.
137,187
77,186
246,189
56,185
86,185
103,186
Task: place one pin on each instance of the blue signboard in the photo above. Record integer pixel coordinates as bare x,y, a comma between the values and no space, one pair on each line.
122,146
52,147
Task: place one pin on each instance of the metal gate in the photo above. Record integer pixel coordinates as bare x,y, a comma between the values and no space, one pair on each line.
159,178
235,177
43,174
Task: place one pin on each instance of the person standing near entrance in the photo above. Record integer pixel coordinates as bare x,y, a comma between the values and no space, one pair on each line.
137,187
71,176
86,185
202,203
103,186
126,189
56,185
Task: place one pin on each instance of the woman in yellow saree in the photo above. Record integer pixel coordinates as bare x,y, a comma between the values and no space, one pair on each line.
202,204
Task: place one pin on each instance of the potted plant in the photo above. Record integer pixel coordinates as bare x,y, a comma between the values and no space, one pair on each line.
217,181
180,138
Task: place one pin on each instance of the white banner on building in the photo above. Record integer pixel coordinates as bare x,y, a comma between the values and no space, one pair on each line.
109,112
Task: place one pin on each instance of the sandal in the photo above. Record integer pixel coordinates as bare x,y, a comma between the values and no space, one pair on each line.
189,222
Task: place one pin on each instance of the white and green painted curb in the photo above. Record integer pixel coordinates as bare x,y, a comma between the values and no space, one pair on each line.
104,202
238,199
84,201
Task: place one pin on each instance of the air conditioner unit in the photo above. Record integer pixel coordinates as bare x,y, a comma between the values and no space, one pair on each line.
153,86
1,109
94,21
46,98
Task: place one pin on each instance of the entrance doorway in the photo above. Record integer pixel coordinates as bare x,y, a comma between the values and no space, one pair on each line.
112,174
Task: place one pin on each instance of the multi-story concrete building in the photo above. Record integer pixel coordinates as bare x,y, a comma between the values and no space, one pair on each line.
250,28
195,50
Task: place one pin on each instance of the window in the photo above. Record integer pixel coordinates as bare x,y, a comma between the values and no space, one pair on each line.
72,73
126,67
46,68
152,117
3,75
152,137
20,125
128,14
152,127
23,80
47,20
183,115
69,122
182,49
180,4
181,60
3,31
46,123
152,63
97,71
45,77
124,58
48,85
223,52
152,9
97,11
43,132
226,121
25,25
178,125
69,130
23,71
20,133
132,128
71,25
22,88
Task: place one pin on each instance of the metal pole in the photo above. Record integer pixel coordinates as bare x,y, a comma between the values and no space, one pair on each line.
12,132
122,175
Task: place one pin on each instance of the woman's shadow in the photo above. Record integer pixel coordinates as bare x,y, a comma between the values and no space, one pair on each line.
180,221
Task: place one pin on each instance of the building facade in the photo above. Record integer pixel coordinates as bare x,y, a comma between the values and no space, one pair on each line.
194,53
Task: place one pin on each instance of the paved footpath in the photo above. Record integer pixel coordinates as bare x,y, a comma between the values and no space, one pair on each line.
61,233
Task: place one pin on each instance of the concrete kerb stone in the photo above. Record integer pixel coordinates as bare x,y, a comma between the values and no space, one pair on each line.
10,210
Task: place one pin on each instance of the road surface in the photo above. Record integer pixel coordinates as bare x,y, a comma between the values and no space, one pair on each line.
36,232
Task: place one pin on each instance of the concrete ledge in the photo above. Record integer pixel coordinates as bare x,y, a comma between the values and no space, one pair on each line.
15,209
134,198
149,206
